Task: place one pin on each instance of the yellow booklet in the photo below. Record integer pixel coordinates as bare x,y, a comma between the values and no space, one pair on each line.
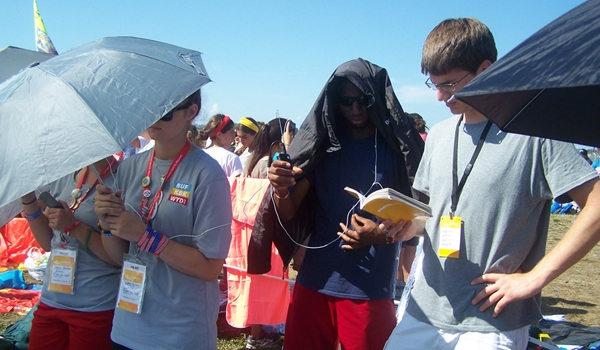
388,203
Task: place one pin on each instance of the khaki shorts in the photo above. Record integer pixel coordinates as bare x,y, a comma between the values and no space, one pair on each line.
411,333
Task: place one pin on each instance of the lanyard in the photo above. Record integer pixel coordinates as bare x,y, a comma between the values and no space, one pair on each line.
146,193
76,193
458,187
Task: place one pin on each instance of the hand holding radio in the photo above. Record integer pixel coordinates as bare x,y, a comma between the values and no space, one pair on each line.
281,174
50,201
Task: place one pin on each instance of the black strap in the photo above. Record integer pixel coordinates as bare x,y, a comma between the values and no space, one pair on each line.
458,187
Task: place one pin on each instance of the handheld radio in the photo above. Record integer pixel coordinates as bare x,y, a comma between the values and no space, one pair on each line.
50,201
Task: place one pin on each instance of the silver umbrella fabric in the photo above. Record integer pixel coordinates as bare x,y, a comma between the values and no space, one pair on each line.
14,59
86,104
549,85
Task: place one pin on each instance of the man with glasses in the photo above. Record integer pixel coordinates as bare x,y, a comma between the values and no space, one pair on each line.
357,135
483,264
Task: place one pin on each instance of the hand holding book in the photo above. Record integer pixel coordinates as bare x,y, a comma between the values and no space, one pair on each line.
389,204
364,232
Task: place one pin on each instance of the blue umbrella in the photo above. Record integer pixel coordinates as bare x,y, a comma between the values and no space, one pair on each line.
86,104
549,85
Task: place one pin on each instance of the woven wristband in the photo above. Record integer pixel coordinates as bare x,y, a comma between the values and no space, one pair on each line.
157,238
145,238
104,232
162,244
149,243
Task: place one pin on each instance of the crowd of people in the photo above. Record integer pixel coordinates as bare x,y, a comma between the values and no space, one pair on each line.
138,245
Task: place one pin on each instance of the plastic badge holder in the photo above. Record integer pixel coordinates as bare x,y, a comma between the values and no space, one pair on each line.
133,285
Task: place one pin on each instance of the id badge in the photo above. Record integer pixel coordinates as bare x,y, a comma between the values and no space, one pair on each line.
450,235
62,271
133,285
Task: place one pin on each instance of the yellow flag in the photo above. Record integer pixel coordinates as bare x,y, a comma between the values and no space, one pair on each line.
42,40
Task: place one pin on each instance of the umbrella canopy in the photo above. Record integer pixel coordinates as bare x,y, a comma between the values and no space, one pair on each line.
549,85
86,104
13,59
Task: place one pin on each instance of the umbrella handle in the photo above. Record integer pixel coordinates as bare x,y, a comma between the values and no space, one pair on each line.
97,175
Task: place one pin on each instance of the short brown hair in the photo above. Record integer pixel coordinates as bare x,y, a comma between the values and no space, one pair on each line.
457,43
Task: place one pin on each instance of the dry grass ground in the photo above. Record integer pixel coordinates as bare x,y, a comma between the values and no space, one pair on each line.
574,294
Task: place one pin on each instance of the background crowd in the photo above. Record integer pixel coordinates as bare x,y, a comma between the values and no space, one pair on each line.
138,245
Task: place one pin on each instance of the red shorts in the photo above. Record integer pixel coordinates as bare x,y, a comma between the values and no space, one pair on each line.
319,321
54,328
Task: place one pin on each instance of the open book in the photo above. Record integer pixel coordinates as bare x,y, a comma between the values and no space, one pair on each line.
390,204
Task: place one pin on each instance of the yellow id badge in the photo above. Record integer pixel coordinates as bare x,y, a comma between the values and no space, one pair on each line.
450,233
62,271
132,286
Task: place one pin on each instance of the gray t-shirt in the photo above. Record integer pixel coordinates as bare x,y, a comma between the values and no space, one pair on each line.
261,169
96,282
505,209
178,311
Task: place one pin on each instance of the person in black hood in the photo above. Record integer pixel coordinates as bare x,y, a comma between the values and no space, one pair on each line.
357,135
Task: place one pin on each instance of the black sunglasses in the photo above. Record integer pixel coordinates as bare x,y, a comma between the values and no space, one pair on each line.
348,101
169,116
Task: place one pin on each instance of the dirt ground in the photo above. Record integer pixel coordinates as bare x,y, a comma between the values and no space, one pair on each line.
574,294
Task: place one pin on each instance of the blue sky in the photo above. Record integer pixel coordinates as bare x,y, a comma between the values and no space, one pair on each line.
269,56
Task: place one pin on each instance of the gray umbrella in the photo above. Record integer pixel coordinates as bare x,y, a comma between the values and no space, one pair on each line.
549,85
13,59
86,104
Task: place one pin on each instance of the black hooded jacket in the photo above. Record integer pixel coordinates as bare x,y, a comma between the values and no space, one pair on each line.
315,138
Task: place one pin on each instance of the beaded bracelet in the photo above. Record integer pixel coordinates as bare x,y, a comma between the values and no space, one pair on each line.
103,231
33,216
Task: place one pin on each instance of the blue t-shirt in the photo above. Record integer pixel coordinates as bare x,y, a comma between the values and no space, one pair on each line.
367,273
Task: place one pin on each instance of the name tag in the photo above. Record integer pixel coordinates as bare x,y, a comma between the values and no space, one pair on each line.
132,286
62,271
450,235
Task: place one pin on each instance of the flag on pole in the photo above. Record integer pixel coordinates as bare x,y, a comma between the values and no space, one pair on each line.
42,40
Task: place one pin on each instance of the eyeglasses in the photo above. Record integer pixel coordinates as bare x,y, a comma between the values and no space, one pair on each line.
348,101
169,116
447,87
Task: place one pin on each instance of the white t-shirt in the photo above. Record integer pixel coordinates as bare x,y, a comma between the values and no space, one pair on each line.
229,161
245,157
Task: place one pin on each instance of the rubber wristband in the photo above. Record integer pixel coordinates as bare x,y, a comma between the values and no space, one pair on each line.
103,231
87,239
74,226
33,201
33,216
